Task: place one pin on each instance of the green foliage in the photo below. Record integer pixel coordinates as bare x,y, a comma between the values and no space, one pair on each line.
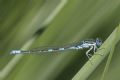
27,24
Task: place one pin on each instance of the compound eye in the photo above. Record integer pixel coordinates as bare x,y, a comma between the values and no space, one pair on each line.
98,42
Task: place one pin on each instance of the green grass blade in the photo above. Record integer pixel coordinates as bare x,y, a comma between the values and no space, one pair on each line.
87,69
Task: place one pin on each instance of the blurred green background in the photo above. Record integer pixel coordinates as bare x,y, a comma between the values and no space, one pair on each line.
27,24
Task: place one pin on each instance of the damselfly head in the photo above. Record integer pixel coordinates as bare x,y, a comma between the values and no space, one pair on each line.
98,42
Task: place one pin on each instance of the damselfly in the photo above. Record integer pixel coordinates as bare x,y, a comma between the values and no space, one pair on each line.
85,44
